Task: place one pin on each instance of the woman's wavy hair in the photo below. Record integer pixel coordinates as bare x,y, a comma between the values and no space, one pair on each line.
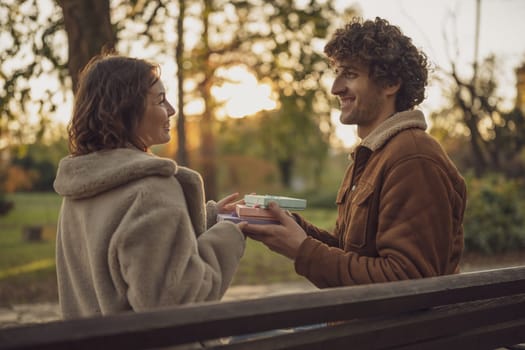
109,103
391,57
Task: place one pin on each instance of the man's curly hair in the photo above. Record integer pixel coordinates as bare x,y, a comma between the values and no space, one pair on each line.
391,56
109,103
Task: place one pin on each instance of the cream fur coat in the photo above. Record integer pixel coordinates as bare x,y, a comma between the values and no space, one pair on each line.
133,235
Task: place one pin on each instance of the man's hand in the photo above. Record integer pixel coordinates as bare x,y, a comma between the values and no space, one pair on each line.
284,239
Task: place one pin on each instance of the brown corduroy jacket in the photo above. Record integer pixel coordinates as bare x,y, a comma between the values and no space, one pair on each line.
400,212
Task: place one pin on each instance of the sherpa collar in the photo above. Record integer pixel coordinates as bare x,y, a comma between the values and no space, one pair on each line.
88,175
392,126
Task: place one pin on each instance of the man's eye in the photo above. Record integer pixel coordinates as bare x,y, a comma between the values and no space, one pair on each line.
345,73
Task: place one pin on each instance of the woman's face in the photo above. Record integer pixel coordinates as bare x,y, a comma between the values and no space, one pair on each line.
154,126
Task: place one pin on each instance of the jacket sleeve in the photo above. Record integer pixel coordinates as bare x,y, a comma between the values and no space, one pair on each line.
415,235
316,232
161,261
211,213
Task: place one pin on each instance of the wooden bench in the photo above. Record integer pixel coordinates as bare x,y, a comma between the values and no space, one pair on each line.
479,310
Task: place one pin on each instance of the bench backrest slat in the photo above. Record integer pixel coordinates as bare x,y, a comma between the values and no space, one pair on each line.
203,321
425,327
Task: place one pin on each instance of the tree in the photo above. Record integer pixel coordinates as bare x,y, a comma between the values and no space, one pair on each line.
293,130
88,28
31,53
207,70
89,31
276,41
36,53
182,153
495,135
270,38
300,126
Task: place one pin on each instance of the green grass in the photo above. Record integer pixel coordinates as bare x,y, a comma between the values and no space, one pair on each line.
260,265
31,209
27,269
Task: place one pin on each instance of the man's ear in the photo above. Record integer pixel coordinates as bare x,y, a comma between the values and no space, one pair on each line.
392,88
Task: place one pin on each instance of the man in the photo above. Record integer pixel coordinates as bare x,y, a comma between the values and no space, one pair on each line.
401,201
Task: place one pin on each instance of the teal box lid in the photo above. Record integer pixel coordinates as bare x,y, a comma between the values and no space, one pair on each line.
284,202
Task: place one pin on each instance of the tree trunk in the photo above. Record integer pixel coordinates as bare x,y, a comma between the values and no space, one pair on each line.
480,164
89,30
285,168
182,153
208,153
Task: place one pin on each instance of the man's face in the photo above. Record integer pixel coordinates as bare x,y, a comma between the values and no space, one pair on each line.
361,99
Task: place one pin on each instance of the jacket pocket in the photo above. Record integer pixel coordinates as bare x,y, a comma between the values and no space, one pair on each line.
341,195
359,212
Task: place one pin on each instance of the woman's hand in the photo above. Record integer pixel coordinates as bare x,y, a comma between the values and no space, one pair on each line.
228,203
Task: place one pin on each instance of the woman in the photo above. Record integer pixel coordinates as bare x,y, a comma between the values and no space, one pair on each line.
134,232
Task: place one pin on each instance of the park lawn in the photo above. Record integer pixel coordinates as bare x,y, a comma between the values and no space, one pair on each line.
31,209
260,265
27,269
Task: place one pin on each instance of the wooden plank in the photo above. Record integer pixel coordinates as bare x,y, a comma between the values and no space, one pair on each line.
423,327
203,321
483,338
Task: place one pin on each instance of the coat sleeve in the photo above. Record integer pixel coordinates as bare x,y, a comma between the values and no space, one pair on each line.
211,213
160,260
316,232
414,239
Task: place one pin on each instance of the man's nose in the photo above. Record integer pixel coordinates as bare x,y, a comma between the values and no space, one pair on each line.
338,87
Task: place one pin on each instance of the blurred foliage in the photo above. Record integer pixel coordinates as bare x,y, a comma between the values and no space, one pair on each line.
300,126
276,42
486,141
279,42
495,215
33,166
5,204
249,149
32,51
481,133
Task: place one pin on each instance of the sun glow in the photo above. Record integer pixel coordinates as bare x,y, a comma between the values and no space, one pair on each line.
241,94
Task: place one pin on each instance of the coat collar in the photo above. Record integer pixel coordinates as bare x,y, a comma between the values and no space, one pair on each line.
392,126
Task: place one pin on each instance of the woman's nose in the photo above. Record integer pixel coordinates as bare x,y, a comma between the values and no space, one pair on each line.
171,110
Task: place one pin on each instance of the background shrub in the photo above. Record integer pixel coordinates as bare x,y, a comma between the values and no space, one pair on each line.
495,216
